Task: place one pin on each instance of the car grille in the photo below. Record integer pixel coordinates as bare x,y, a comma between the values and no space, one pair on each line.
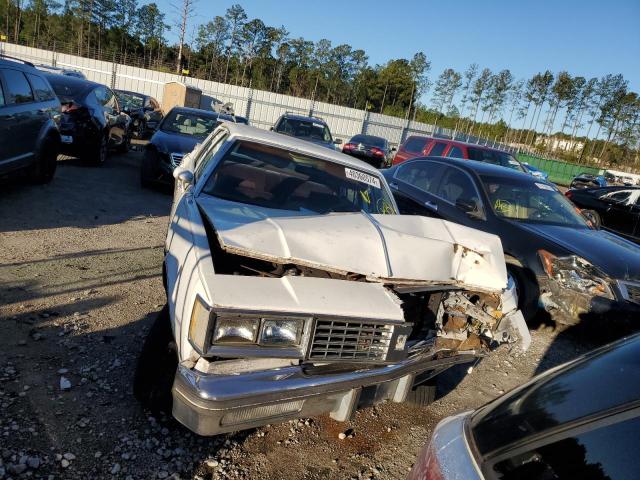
350,340
633,291
176,159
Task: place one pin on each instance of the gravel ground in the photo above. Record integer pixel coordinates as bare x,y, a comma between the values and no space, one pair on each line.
80,283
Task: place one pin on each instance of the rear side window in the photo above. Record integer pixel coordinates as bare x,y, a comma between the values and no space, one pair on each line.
415,144
601,453
421,175
455,152
41,88
18,88
437,149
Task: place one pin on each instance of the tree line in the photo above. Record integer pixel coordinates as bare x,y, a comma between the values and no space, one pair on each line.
595,118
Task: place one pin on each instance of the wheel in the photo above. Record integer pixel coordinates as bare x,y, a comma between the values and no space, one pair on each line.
46,161
157,366
593,217
526,289
97,154
148,169
424,394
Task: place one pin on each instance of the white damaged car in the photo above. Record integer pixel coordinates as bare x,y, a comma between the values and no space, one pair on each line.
295,289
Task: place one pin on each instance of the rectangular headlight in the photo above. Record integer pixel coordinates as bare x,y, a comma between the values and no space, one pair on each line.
234,330
281,332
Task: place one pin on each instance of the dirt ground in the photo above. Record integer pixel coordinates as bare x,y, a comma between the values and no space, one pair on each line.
80,283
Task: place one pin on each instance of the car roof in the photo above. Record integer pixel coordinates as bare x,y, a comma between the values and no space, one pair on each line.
72,81
250,133
18,64
195,111
481,168
295,116
450,141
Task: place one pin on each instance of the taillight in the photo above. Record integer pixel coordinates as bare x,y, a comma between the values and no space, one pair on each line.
349,146
568,194
427,466
376,151
70,107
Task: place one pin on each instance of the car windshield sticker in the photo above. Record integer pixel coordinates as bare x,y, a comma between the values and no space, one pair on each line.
544,186
502,206
362,177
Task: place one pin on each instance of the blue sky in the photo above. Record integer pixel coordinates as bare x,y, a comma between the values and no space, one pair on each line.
586,37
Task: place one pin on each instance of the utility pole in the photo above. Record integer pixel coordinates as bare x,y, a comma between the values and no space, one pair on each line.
185,12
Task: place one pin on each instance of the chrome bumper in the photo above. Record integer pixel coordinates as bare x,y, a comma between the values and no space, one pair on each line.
209,404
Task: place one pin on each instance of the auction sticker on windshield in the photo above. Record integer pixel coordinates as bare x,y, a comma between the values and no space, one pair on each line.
362,177
543,186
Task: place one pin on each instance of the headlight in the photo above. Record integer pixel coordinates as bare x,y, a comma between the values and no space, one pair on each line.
281,332
576,273
235,330
243,330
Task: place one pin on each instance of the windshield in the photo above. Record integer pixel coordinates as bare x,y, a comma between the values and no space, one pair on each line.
495,157
190,123
533,202
368,140
305,129
271,177
129,100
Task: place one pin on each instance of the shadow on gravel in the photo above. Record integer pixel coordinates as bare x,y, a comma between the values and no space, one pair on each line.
575,340
81,196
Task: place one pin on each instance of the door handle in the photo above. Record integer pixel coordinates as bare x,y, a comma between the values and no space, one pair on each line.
431,205
394,185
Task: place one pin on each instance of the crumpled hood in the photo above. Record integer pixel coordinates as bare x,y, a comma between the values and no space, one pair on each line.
398,249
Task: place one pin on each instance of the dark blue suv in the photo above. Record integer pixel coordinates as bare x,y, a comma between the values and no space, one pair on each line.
29,110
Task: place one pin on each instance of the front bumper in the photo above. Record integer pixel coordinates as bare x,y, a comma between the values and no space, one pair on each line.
209,404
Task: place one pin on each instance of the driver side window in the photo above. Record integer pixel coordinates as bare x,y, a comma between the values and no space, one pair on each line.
457,186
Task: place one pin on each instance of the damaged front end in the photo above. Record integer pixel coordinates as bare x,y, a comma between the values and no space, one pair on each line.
572,288
280,340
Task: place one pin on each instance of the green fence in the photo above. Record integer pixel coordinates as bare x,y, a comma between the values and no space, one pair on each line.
559,172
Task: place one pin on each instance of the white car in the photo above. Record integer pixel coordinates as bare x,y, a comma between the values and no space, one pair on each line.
294,289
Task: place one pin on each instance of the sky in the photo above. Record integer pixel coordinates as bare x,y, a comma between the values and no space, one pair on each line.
585,37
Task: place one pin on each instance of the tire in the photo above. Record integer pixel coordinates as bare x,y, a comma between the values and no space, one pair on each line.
97,154
157,365
46,162
424,394
527,290
594,217
148,169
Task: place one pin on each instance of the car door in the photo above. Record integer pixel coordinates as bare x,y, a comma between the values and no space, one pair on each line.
413,185
459,199
18,120
618,214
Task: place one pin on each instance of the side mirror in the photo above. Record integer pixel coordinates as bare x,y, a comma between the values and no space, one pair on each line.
183,177
337,141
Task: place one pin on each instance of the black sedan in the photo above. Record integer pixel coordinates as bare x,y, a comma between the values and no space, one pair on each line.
373,150
145,111
613,208
579,421
92,121
179,132
557,259
588,180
